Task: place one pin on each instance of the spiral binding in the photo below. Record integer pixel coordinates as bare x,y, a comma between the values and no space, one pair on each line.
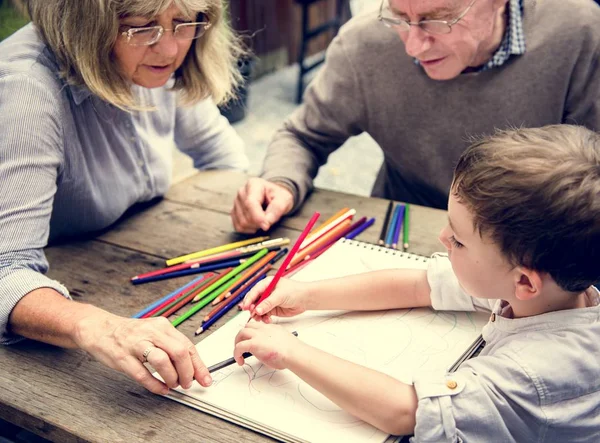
379,248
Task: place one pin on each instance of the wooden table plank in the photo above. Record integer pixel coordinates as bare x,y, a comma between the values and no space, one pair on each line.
64,395
209,191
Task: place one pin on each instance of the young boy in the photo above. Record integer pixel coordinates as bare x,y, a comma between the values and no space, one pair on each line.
523,240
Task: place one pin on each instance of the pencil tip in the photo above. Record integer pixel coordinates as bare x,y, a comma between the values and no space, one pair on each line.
199,331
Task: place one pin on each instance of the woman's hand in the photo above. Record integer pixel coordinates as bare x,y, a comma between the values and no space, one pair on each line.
271,344
126,344
288,299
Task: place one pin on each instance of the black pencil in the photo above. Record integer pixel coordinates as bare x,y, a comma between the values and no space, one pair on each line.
231,360
386,220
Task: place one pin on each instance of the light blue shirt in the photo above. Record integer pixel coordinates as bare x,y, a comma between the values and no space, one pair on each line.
536,380
71,163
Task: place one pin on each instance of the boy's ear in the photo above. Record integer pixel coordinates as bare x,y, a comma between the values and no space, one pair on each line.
528,283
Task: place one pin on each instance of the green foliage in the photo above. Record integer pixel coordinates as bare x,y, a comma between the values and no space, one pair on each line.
10,19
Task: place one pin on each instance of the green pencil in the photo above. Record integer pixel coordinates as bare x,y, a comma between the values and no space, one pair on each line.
221,284
405,227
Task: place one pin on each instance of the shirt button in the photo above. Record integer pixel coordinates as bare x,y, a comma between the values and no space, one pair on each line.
493,317
451,384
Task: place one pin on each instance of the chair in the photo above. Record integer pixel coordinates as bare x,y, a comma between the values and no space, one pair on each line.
342,11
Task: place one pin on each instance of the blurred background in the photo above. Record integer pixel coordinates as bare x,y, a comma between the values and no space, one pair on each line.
280,34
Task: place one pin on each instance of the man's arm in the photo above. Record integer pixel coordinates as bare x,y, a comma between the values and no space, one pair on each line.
333,111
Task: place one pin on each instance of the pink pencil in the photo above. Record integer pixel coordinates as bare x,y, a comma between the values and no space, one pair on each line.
288,259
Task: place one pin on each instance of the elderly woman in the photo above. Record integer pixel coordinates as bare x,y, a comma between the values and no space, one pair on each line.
94,95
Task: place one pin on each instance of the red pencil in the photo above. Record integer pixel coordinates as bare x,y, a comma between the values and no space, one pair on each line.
185,300
288,259
177,295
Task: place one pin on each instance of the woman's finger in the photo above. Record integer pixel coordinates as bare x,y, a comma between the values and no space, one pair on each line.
161,362
134,369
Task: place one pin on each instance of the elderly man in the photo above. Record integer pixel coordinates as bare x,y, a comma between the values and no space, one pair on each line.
460,68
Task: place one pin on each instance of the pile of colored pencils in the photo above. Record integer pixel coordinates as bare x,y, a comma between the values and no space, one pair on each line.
223,290
395,221
324,236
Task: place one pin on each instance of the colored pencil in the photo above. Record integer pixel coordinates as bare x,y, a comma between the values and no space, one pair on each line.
255,277
406,227
213,291
166,297
247,274
289,257
188,295
390,234
231,360
292,270
216,258
190,271
386,220
178,295
182,302
325,224
361,228
233,273
324,240
398,227
230,304
204,253
345,216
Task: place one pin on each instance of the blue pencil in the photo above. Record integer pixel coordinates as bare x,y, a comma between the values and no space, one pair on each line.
166,297
398,227
390,234
360,228
205,268
208,323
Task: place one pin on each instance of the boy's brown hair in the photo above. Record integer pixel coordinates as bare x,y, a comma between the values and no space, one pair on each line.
536,194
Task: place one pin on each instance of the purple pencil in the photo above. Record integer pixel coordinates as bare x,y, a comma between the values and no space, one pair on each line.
360,228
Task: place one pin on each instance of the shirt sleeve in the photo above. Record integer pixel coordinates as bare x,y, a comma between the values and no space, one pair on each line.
30,158
489,399
207,137
332,111
446,292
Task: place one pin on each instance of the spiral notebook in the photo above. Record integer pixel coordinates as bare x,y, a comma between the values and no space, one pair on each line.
398,342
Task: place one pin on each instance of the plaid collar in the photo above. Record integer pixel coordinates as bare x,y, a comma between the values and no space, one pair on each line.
513,42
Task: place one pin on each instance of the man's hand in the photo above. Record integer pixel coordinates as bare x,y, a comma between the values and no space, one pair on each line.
248,214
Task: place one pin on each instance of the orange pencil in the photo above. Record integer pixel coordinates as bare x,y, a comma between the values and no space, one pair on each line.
326,223
330,236
186,300
247,274
332,225
238,291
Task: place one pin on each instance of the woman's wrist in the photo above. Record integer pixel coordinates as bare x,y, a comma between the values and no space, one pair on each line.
92,321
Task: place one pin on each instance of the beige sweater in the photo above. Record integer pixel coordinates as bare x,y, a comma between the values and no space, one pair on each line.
422,125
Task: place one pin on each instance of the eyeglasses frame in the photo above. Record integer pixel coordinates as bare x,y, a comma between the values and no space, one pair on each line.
161,31
449,23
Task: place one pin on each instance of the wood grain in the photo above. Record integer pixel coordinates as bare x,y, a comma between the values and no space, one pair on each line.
66,396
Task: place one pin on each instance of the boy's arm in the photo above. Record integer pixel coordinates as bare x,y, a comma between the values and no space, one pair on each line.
377,290
372,396
376,398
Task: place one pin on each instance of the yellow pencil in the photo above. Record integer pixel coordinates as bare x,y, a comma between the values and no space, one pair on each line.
227,247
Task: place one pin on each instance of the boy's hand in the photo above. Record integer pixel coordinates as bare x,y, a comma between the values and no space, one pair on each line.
288,299
271,344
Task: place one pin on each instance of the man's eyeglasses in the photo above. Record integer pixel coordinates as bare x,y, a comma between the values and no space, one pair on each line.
152,34
431,26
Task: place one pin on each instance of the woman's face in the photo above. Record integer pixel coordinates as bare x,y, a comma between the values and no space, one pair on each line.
151,66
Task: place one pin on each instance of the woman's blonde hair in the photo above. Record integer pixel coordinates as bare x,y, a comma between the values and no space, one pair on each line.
536,194
82,34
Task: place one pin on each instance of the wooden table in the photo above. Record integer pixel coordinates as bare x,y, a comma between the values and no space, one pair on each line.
65,396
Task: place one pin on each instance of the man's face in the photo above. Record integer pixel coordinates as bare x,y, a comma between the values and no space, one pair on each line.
470,43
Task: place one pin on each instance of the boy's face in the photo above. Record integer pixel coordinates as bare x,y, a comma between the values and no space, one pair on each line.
481,269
